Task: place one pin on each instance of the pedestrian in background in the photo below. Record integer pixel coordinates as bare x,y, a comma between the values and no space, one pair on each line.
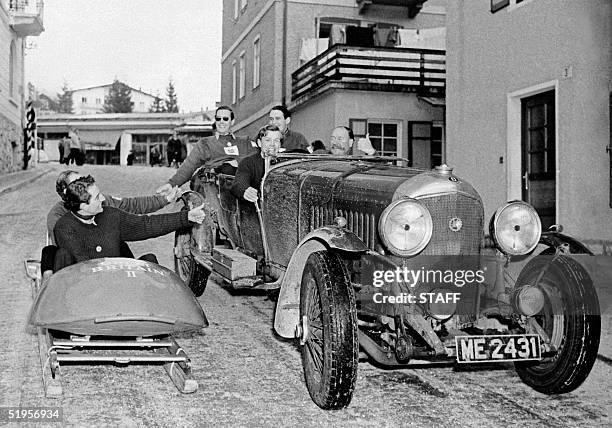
174,150
75,147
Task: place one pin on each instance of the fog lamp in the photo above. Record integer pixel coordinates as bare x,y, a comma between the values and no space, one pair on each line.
516,228
528,300
442,303
405,227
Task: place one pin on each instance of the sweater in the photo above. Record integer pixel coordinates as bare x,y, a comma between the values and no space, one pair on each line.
137,205
103,239
207,150
294,140
249,174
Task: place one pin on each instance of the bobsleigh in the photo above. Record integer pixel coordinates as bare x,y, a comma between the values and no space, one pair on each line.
113,304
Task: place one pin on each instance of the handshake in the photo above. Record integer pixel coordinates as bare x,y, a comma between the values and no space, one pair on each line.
171,193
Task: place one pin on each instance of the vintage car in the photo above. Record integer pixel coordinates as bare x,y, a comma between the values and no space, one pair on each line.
350,244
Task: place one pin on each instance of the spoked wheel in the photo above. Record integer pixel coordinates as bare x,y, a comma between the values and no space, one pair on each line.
186,267
571,320
329,320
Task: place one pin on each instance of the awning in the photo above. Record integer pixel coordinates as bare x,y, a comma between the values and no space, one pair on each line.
100,140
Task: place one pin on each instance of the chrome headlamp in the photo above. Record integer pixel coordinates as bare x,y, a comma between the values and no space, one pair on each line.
516,228
405,227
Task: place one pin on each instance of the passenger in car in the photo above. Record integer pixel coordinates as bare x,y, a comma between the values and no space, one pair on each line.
252,168
342,142
134,205
292,141
91,231
220,145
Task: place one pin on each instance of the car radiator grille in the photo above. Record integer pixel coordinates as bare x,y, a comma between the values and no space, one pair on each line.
364,225
443,209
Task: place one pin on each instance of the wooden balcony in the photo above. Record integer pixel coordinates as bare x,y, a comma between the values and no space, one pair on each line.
27,17
422,71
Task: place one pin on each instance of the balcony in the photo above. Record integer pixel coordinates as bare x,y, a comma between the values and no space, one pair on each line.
26,17
421,71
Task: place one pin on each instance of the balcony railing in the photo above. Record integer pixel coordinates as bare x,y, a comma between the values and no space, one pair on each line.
378,69
27,17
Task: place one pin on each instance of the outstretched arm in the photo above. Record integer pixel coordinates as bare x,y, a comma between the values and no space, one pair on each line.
138,204
198,157
134,227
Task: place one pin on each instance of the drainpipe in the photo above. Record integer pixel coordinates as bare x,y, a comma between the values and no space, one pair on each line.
284,56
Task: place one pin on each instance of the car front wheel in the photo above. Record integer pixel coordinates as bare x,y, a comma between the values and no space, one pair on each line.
571,320
329,319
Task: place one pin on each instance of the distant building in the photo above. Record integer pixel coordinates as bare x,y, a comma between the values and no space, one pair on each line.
109,137
529,93
18,20
375,65
91,100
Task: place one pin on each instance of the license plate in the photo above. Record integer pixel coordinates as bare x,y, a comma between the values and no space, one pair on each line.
515,347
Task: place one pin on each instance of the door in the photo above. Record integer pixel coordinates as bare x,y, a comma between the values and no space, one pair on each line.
538,155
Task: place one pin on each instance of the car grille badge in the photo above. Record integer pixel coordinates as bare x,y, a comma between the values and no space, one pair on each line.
455,224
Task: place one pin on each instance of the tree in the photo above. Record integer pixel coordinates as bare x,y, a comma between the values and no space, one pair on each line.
171,101
158,105
119,98
64,100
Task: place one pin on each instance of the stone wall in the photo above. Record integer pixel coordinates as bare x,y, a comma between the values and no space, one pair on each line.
11,146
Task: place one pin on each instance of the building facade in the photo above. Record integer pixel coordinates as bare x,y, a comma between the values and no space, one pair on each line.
91,100
109,137
528,107
377,66
18,20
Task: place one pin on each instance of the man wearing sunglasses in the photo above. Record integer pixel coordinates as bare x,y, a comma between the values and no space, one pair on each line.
221,145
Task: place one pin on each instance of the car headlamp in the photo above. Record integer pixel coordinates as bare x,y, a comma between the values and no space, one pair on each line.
516,228
405,227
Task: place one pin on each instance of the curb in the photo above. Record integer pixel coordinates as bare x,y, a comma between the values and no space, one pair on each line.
17,185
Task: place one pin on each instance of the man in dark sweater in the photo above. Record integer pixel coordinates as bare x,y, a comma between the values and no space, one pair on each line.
90,231
281,117
221,145
252,168
135,205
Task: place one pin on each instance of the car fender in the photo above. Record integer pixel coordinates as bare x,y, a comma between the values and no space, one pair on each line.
287,315
556,239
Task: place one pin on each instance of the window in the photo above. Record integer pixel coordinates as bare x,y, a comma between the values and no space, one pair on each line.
12,65
437,145
384,137
242,77
84,100
236,8
256,61
234,82
98,101
141,104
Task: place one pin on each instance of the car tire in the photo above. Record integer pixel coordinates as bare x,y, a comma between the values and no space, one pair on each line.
571,319
193,274
331,350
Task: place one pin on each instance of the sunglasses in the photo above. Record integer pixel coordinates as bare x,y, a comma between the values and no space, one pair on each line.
224,118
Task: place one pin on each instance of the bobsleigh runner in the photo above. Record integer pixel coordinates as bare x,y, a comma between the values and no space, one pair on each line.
112,311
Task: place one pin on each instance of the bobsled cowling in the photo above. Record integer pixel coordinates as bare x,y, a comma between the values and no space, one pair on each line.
117,297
